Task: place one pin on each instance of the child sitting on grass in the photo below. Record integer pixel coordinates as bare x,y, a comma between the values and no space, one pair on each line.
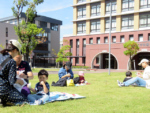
41,89
128,76
81,77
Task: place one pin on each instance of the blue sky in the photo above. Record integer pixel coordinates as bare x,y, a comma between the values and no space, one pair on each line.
58,9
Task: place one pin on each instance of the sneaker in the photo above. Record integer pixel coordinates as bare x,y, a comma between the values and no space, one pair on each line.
120,84
38,102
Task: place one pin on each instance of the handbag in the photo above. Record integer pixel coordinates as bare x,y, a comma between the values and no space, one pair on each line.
70,82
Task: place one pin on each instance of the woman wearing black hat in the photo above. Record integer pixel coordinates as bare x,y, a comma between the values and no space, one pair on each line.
8,74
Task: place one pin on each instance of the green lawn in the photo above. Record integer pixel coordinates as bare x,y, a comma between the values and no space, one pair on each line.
36,70
103,95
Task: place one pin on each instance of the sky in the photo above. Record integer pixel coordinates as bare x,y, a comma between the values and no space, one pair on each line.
57,9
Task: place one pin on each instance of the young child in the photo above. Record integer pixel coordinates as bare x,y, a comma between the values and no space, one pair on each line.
41,89
128,76
22,87
81,77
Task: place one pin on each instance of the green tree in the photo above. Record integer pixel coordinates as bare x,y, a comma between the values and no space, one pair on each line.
27,30
64,53
1,46
132,48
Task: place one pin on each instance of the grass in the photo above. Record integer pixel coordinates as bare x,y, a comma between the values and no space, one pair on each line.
36,70
103,95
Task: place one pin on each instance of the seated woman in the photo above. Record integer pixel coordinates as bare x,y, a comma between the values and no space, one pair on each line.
65,71
8,74
138,80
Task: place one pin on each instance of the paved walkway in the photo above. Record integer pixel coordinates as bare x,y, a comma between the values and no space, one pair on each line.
91,71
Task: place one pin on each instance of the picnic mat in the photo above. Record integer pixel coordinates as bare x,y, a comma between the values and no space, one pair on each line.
60,96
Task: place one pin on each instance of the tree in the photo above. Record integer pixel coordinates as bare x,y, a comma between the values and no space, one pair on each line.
64,53
132,48
1,46
27,30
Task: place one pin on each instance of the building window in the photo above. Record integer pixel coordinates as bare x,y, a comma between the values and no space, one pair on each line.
149,37
144,4
84,42
43,24
114,39
80,1
95,9
114,6
81,12
81,27
83,60
105,39
6,32
91,40
95,25
77,60
127,22
127,5
131,38
71,43
97,60
54,27
140,38
145,20
98,40
113,26
122,39
77,43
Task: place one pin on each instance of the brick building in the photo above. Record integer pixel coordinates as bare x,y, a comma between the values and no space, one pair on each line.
89,42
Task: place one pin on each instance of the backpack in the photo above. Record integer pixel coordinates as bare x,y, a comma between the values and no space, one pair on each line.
61,82
76,80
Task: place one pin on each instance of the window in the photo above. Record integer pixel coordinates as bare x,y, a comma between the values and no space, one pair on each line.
97,60
105,39
114,39
91,40
95,25
127,5
140,38
81,27
83,60
122,39
81,12
80,1
15,22
131,38
6,32
84,42
43,24
98,40
144,4
113,26
45,34
11,22
54,27
71,60
71,43
95,9
149,37
114,6
127,22
145,20
77,43
77,60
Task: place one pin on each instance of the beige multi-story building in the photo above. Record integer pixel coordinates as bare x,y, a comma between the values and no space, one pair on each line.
130,21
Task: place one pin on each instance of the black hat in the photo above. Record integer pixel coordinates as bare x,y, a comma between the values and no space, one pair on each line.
68,64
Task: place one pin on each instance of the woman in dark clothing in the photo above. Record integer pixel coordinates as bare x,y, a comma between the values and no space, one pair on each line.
8,74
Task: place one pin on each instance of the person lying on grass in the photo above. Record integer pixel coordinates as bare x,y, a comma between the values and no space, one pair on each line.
145,82
41,89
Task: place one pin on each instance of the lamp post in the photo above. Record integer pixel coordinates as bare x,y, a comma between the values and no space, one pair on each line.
110,22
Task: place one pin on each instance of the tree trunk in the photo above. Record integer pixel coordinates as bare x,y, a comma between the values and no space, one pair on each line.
130,63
